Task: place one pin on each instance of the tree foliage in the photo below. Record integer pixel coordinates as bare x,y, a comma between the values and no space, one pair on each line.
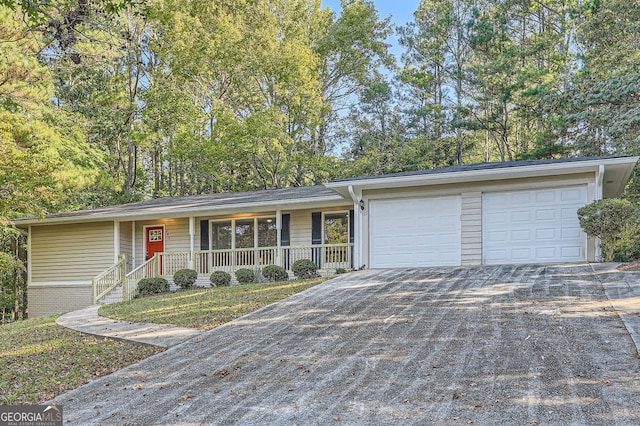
606,219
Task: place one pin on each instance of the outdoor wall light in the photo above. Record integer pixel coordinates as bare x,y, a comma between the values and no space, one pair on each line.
361,204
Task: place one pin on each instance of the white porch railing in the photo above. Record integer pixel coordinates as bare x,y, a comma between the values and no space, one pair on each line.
208,261
107,281
326,256
149,269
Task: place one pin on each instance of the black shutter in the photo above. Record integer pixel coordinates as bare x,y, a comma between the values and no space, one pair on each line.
352,225
316,228
285,233
204,235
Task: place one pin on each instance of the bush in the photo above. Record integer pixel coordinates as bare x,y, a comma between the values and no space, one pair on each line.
148,286
185,278
341,271
220,279
275,273
628,246
245,276
305,268
607,220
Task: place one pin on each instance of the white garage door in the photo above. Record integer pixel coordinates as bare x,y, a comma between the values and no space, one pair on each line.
533,226
414,232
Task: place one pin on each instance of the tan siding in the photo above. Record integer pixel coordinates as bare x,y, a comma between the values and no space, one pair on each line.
126,242
176,236
471,222
300,225
70,252
45,301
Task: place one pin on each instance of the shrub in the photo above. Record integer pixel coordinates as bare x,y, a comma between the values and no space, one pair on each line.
148,286
341,271
185,278
245,276
220,279
275,273
606,219
305,268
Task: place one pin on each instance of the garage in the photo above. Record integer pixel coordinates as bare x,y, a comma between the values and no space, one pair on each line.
415,232
533,226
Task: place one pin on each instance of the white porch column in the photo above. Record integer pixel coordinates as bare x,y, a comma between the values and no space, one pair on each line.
192,244
278,236
116,241
29,262
133,245
599,195
358,208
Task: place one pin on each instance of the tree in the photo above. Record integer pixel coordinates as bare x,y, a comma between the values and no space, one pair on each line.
606,219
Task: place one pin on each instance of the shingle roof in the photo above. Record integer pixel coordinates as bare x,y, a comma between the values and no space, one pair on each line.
479,166
206,202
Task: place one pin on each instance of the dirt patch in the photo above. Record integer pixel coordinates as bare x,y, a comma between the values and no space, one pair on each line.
629,266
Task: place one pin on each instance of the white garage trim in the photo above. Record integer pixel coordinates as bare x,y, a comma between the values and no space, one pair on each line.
415,232
533,226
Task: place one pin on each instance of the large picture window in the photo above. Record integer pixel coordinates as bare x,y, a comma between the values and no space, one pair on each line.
336,228
244,233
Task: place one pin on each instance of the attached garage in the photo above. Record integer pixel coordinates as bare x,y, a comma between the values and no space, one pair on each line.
489,213
533,226
414,232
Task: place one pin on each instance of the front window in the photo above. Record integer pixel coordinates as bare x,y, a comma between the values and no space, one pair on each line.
221,238
244,234
336,228
267,232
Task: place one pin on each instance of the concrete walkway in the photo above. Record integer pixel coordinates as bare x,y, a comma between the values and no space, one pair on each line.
492,345
164,335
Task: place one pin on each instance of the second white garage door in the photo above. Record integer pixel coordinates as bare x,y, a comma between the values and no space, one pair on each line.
414,232
533,226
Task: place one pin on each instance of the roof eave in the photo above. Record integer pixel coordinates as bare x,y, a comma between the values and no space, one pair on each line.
491,174
179,213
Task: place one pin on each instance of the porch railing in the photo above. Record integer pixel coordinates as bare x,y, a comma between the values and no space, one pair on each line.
149,269
107,281
326,256
208,261
172,262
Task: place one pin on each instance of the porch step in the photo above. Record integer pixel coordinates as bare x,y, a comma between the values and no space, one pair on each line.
113,297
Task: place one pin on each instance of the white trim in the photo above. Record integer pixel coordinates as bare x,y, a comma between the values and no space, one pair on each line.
29,262
49,284
133,245
116,241
495,173
357,226
279,236
599,182
144,238
192,244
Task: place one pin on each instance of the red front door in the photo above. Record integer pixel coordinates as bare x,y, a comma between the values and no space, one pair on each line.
154,241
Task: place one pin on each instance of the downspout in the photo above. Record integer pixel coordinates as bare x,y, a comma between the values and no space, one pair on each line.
357,237
192,233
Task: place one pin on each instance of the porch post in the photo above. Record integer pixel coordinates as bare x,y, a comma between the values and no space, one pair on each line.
133,245
278,237
358,208
116,241
192,233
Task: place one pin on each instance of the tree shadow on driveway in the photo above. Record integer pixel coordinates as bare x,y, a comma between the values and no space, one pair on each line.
536,344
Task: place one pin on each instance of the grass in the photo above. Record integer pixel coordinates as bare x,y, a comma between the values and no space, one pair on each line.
40,360
205,308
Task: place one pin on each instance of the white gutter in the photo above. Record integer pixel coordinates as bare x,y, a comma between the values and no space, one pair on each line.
357,237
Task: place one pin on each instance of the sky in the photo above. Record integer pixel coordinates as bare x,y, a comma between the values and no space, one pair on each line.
401,12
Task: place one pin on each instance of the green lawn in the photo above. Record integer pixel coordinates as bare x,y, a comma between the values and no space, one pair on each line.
205,308
40,360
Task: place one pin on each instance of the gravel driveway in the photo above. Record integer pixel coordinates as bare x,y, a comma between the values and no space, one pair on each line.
513,345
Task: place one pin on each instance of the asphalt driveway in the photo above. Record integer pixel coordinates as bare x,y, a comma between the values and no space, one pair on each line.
516,345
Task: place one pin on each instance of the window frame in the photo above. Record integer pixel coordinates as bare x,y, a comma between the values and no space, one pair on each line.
233,228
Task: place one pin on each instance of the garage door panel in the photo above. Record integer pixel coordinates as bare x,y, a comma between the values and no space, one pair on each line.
551,233
415,232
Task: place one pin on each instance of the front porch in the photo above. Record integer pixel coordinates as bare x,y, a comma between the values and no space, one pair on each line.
327,257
